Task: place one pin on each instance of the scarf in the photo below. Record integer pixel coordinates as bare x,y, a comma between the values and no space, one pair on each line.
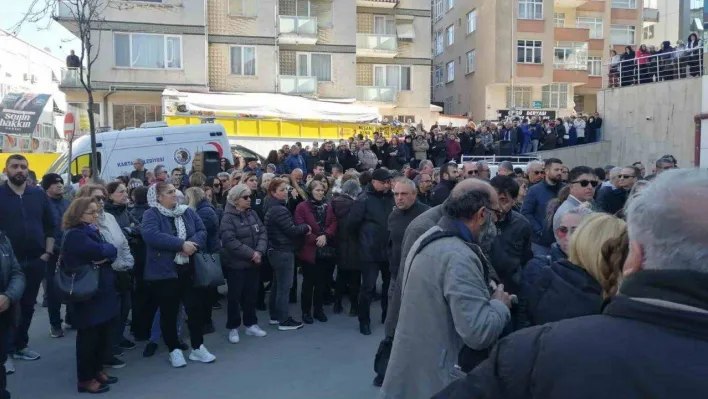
176,214
319,209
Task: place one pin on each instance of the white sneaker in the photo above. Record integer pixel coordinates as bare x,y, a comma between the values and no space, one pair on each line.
273,322
9,366
255,331
233,336
201,355
177,358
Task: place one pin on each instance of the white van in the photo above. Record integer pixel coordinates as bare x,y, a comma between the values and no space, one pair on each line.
169,146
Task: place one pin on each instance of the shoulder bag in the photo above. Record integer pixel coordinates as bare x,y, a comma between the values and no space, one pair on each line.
207,270
77,284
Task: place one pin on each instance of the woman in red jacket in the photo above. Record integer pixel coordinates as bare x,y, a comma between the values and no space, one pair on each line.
453,147
643,64
318,250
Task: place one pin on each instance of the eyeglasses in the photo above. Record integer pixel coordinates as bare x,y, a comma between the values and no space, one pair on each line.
584,183
626,176
100,198
246,197
472,172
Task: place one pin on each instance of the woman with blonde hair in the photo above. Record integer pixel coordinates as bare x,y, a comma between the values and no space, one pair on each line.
573,287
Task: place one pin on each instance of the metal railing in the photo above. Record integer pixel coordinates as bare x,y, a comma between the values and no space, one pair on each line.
70,77
298,84
367,41
305,26
677,64
376,94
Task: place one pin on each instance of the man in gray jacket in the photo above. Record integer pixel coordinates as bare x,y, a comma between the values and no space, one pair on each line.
445,297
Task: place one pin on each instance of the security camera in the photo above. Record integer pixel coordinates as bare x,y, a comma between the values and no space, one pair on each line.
649,118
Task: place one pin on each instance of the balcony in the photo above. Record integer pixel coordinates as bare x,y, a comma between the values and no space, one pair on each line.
377,3
298,84
297,30
568,3
70,78
650,15
376,94
380,46
574,77
571,34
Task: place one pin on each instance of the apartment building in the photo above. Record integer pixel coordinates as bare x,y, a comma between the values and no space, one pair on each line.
526,57
672,20
375,52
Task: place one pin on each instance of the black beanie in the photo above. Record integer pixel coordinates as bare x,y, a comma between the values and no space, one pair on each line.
49,179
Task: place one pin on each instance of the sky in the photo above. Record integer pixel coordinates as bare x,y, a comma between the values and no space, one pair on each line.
46,33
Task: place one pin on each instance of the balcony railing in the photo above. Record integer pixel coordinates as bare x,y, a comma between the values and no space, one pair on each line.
677,64
384,44
376,94
70,77
301,26
298,84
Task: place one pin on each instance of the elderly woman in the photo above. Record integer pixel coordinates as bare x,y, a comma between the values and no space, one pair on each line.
348,274
367,158
245,244
172,234
93,318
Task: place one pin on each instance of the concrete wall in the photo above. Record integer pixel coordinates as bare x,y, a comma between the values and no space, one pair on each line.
647,121
169,12
593,155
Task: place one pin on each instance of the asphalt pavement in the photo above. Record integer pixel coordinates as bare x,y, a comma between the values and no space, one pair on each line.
329,360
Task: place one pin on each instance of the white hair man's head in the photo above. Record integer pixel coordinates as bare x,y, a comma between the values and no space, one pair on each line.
667,223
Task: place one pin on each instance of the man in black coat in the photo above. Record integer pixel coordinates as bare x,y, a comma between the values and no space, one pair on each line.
448,178
651,339
611,199
328,155
369,217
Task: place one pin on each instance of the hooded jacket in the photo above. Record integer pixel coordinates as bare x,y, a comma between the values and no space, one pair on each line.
347,238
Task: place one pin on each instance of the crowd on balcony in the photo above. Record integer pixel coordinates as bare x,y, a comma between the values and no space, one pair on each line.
649,64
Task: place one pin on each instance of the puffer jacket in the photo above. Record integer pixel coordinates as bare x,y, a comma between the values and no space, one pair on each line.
113,234
242,233
347,240
283,234
369,216
420,147
209,217
367,159
12,280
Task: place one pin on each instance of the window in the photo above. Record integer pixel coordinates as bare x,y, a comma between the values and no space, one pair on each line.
134,115
450,31
570,56
149,51
242,8
530,9
522,97
438,10
471,21
594,24
450,71
622,34
397,76
595,66
243,60
555,95
315,64
384,25
559,20
450,4
529,51
439,39
471,61
648,32
624,3
438,78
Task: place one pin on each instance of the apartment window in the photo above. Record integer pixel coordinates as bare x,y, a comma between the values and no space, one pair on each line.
398,76
148,51
243,60
242,8
648,32
521,98
471,21
315,64
438,79
555,95
384,25
559,20
439,42
438,9
471,61
529,51
450,4
570,55
594,24
622,34
595,66
530,9
450,71
450,32
624,3
134,115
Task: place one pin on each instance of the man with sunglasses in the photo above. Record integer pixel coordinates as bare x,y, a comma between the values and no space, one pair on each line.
612,199
535,172
582,182
536,203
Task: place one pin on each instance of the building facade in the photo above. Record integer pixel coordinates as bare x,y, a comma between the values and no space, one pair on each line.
672,20
365,51
542,57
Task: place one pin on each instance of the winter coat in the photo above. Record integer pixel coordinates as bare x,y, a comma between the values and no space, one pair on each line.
27,221
347,159
453,149
283,234
579,127
257,204
369,216
83,245
293,162
138,211
438,153
59,207
305,215
159,234
611,200
466,143
12,280
398,221
347,239
395,162
381,153
642,56
368,160
420,148
535,208
511,250
445,304
209,217
310,162
113,234
242,233
441,192
329,158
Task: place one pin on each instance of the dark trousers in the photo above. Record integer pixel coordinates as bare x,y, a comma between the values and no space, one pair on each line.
314,283
5,322
144,308
293,288
17,338
168,295
53,299
242,295
209,296
369,275
123,312
349,281
91,345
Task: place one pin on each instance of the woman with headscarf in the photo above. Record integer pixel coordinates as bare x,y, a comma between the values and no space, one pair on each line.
627,67
172,234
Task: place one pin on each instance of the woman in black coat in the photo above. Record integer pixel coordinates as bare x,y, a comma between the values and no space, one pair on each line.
348,273
627,67
396,155
438,150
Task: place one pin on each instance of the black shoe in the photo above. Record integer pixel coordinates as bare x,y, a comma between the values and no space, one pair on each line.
364,328
321,316
118,351
44,303
378,381
114,363
289,324
150,349
307,319
216,306
127,344
337,308
261,306
208,328
183,346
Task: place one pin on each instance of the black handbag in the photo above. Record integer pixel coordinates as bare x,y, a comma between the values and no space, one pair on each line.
207,270
76,284
326,253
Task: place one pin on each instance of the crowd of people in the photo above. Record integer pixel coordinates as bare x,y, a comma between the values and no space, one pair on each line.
465,259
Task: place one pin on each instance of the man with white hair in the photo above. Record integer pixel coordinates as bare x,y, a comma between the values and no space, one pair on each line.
535,172
650,340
